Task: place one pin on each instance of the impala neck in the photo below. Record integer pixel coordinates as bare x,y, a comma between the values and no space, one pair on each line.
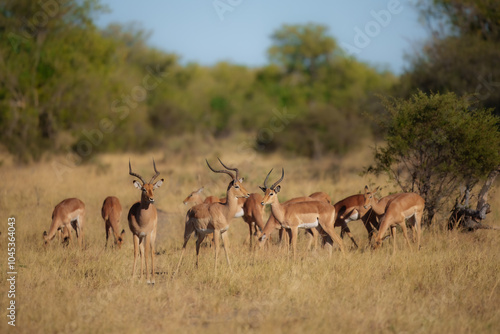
231,204
378,206
277,209
145,203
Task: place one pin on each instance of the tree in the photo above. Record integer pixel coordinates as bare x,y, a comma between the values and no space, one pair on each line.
462,56
435,143
302,48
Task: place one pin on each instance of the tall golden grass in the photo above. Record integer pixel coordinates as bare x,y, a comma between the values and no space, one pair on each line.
450,286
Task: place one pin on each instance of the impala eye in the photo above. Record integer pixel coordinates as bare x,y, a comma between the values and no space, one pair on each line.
237,187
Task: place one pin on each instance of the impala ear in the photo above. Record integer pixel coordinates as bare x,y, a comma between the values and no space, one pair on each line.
123,233
200,190
366,189
262,188
137,184
376,189
241,179
277,189
158,184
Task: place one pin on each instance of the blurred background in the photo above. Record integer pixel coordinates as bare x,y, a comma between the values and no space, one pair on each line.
81,77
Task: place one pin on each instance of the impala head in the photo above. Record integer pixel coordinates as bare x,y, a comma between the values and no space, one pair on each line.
146,188
119,240
194,197
235,186
271,193
369,197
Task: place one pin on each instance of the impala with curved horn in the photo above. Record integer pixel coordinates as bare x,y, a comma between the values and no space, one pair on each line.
142,221
214,218
293,216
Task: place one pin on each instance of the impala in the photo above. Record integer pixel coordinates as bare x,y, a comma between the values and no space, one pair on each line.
352,208
214,217
273,224
293,216
253,212
395,212
111,212
142,221
67,215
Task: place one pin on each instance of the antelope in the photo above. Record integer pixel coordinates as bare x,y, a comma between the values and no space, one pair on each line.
352,208
395,211
273,224
214,218
253,213
67,215
111,212
292,216
142,221
196,198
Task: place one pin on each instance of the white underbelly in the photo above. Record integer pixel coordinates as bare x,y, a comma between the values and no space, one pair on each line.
239,214
309,225
354,216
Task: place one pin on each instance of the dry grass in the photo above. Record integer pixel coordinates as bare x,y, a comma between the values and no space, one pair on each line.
451,285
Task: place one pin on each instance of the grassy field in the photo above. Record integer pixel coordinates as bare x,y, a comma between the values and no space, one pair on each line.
450,286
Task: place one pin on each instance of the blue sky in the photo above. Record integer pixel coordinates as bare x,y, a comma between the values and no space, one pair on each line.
208,31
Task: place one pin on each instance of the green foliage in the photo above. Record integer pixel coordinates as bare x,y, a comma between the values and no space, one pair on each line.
66,85
435,143
462,57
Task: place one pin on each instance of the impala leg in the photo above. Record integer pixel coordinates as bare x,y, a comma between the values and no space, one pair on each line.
201,237
216,244
107,235
141,253
152,245
405,234
345,229
147,243
186,239
393,233
136,252
251,235
293,241
331,232
381,232
225,245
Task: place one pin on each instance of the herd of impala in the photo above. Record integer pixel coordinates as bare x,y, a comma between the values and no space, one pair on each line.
212,216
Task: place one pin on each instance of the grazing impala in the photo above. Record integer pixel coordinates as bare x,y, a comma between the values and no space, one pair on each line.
293,216
67,215
111,212
273,224
214,217
395,211
352,208
142,221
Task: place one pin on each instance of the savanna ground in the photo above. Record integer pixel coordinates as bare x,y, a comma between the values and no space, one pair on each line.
450,286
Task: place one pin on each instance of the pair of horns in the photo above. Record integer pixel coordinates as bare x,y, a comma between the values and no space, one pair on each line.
139,177
233,176
275,183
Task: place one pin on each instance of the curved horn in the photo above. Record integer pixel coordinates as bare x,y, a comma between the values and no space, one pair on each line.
220,171
234,169
156,172
265,185
134,174
281,179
